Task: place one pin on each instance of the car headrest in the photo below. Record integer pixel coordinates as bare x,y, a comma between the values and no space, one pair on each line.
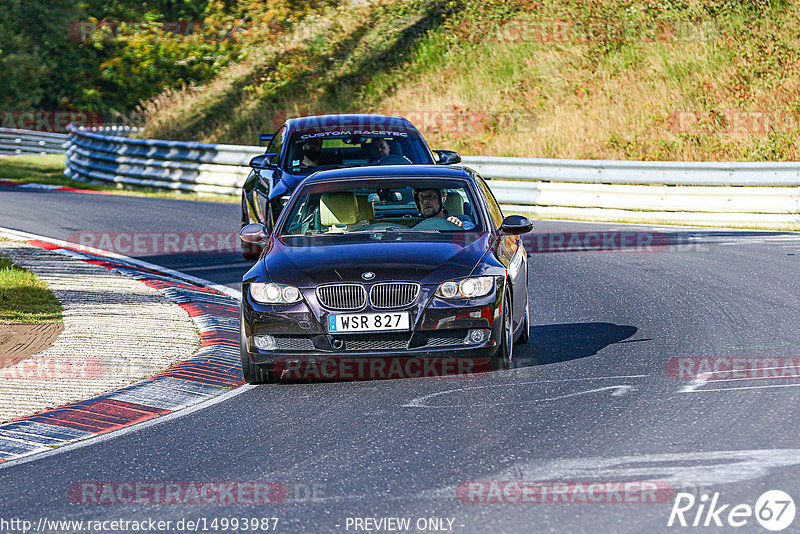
366,209
454,204
338,208
394,148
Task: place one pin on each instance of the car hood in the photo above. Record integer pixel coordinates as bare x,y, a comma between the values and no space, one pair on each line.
428,258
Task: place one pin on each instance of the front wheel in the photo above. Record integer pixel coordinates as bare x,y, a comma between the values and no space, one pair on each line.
505,352
253,374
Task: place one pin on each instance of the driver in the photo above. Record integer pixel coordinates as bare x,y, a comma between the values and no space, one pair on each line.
312,152
430,203
376,149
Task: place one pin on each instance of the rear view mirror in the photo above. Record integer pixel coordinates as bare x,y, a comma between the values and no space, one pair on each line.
262,161
447,157
254,233
385,196
516,225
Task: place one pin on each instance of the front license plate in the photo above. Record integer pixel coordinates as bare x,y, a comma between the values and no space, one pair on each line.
368,322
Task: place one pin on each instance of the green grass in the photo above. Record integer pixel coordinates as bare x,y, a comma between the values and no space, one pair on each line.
49,169
24,298
39,169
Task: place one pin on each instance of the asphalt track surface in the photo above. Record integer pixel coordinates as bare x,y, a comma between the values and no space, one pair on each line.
590,398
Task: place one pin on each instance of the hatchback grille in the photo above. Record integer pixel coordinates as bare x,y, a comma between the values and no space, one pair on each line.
342,296
375,342
393,294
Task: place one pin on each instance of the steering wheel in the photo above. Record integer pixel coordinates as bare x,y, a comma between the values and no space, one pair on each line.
393,159
436,223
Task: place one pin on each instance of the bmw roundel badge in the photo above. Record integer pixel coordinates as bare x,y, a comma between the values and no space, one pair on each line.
368,276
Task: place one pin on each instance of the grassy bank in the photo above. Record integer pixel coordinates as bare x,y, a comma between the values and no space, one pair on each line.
24,298
668,80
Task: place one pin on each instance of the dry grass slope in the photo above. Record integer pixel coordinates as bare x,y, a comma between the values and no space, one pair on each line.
618,79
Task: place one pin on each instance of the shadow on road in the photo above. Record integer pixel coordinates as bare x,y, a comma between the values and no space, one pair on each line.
562,342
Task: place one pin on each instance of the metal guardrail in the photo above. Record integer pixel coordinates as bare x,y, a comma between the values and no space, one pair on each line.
640,172
755,207
199,167
763,195
16,142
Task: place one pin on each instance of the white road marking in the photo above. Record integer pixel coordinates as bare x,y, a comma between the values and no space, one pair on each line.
707,378
684,471
619,390
698,382
711,390
692,469
244,266
775,377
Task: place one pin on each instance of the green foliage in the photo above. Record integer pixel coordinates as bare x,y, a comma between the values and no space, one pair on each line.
518,64
107,56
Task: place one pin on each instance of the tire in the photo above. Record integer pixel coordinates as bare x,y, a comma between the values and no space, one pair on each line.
253,374
524,335
505,352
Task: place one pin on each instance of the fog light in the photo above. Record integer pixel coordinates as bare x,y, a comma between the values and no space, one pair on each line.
476,337
264,342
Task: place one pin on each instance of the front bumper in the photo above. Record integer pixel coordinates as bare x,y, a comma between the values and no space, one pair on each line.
438,332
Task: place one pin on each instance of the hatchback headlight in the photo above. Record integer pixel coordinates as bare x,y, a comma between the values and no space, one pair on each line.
468,288
274,293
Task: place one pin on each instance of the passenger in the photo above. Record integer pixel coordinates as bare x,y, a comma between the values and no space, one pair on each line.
430,203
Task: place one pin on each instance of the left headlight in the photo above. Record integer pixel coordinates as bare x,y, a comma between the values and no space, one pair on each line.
468,288
274,293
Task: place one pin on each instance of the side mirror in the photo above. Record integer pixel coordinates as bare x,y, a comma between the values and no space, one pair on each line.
516,225
447,157
254,233
262,161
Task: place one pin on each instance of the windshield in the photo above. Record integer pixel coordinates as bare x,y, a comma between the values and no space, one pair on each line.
312,151
388,205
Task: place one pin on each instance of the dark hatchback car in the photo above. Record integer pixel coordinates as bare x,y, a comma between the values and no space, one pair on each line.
306,145
353,269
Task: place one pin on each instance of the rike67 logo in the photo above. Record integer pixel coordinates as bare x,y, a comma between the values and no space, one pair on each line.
774,510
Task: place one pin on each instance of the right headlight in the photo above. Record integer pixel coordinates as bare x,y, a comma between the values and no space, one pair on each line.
274,293
468,288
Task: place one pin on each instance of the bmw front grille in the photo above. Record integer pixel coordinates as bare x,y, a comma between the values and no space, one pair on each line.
342,296
393,294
